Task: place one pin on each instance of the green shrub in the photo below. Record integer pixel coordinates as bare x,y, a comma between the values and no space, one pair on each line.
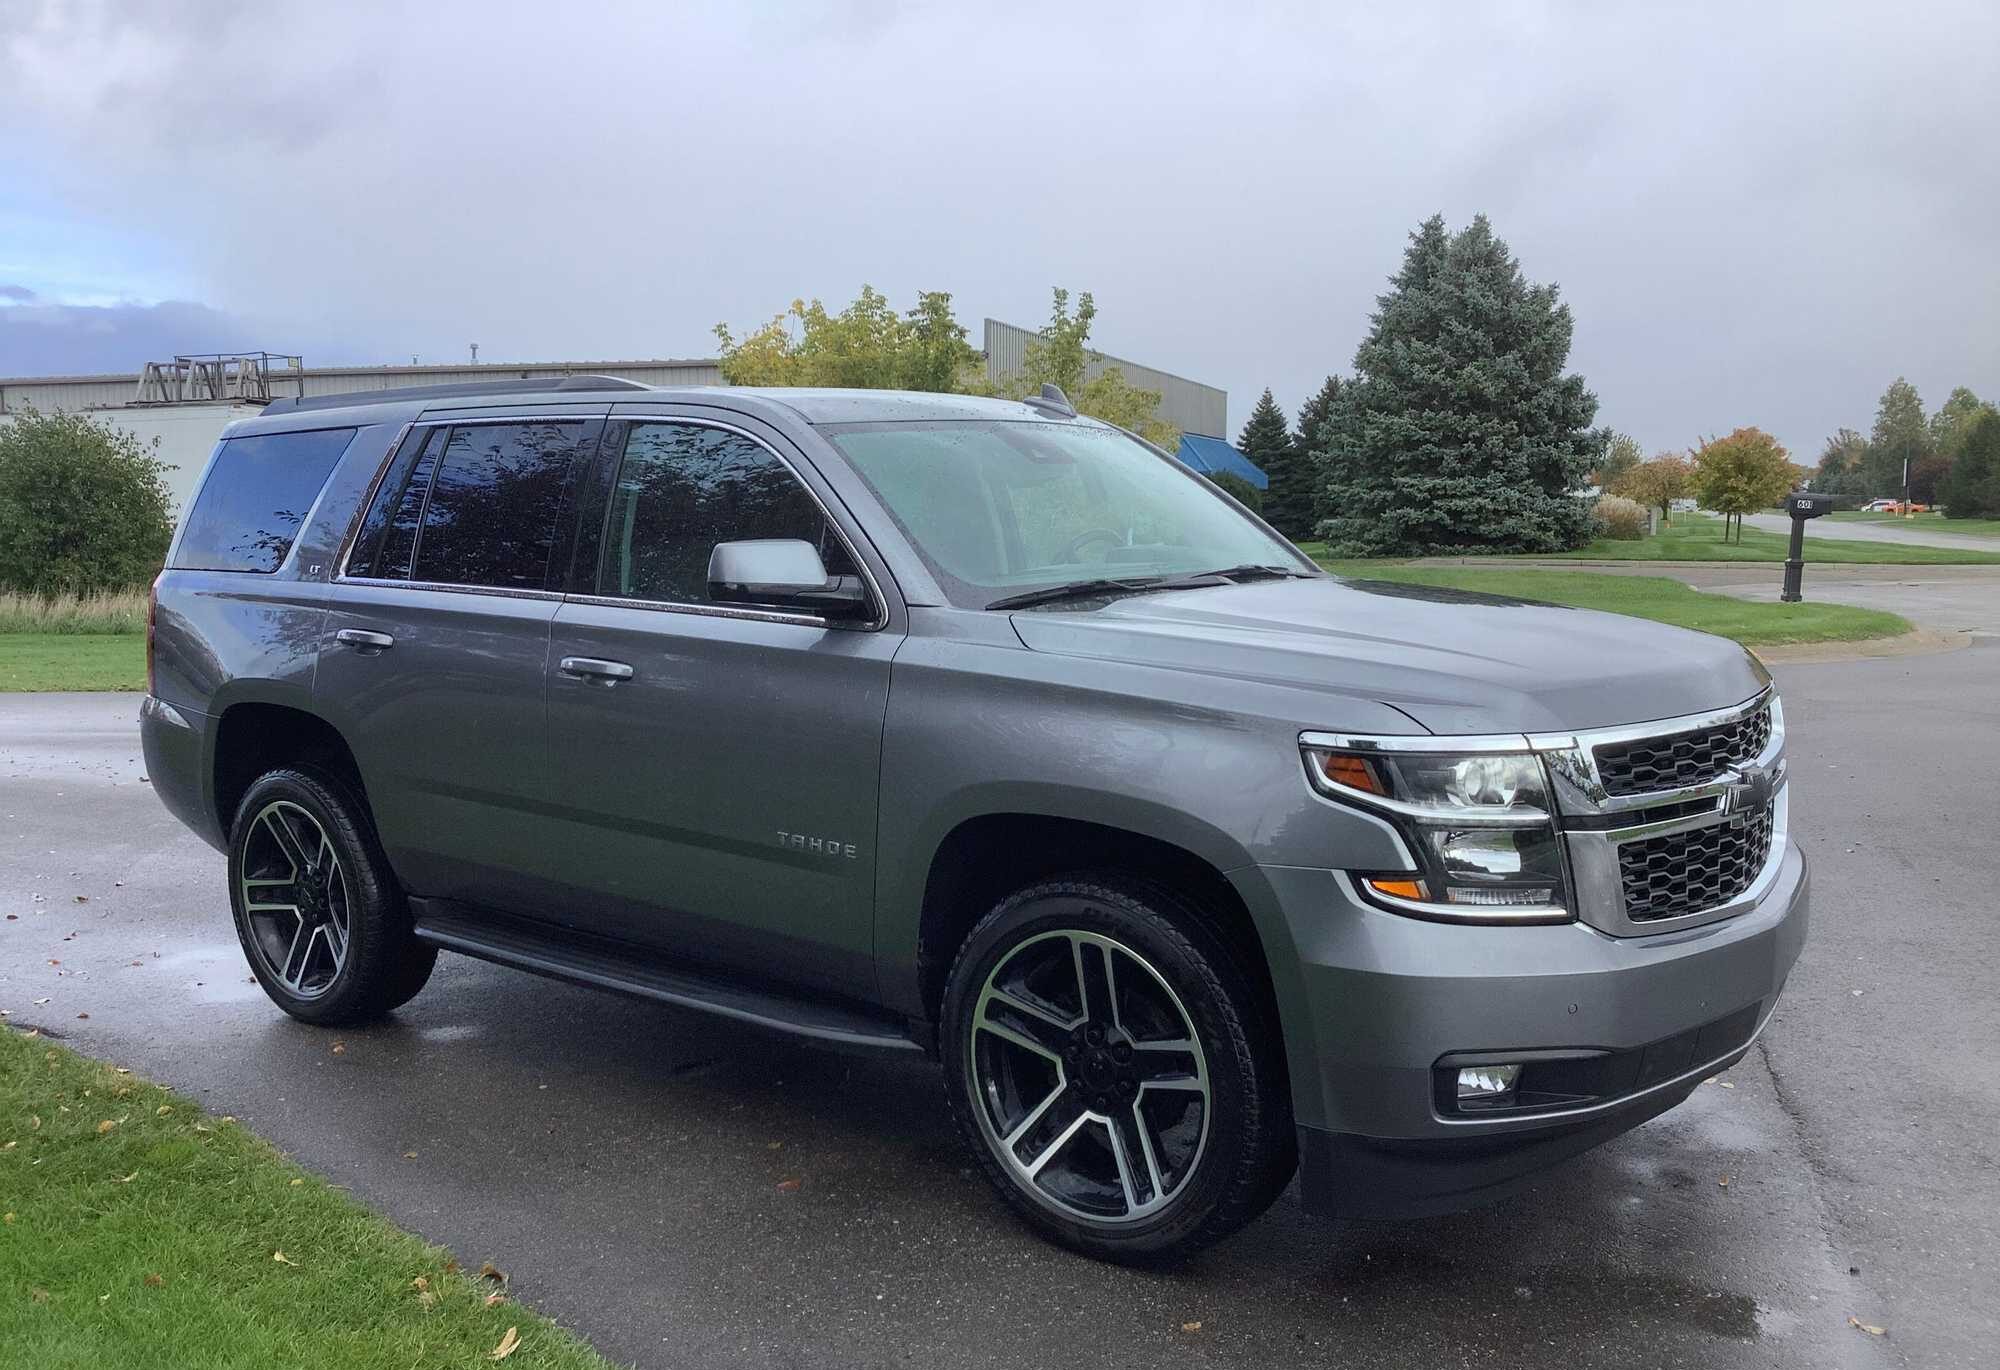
1617,518
1240,490
83,508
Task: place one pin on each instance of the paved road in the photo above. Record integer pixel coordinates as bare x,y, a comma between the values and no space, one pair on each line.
623,1162
1923,535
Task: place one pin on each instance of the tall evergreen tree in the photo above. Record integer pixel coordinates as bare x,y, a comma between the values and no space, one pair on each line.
1459,429
1310,444
1901,434
1972,490
1267,441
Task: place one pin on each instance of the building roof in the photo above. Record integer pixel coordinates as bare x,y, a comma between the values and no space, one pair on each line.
1213,457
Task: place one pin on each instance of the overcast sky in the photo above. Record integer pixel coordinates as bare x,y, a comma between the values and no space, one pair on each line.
1759,214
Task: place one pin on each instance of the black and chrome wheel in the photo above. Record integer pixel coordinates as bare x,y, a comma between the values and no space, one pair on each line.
322,922
1109,1061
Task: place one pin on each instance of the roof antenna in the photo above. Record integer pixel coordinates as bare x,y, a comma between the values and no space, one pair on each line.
1051,401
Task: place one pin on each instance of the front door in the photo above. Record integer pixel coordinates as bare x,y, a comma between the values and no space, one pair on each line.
716,766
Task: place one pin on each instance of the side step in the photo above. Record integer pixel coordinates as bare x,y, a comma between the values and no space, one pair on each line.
591,961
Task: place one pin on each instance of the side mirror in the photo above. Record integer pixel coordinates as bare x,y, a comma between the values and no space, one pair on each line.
782,573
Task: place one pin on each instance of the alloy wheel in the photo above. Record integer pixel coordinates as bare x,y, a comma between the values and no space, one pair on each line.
295,899
1092,1086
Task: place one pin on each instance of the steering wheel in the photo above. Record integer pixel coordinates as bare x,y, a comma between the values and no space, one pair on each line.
1073,549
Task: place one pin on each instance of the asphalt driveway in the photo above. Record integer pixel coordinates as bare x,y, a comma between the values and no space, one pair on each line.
626,1164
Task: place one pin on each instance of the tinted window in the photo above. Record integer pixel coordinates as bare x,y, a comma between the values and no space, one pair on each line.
389,533
491,515
682,489
257,494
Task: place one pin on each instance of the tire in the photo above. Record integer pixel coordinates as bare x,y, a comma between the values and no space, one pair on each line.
319,914
1203,1140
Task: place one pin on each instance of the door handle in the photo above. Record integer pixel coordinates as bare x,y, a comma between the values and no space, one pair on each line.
368,643
593,668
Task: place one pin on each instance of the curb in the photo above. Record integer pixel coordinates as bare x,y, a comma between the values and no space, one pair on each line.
1919,642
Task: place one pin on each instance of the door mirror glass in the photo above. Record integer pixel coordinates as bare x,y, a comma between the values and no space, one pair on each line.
784,573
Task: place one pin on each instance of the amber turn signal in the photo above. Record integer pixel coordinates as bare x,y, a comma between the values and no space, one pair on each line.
1352,771
1400,889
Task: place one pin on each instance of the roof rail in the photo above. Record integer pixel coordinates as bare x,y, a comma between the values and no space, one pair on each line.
350,398
1051,401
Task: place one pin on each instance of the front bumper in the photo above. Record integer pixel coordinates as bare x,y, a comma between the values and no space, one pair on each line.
1371,1002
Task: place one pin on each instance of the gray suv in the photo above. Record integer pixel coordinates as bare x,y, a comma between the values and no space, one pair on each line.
978,729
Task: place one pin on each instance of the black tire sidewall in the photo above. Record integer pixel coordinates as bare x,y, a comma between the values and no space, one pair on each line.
379,970
1212,990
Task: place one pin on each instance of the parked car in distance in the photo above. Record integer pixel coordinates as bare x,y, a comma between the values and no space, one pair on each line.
1893,506
978,729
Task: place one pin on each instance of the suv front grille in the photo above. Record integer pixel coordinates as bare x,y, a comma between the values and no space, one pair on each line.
1692,872
1676,760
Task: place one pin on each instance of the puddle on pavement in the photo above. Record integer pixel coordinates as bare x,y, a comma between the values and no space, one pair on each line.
212,974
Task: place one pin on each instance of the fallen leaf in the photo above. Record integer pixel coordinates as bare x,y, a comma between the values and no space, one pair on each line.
1724,1182
409,1155
790,1186
227,1118
8,1147
298,1182
508,1345
154,1281
451,1265
490,1271
83,1015
41,1001
1194,1326
773,1146
105,1127
81,898
8,1219
1727,1085
340,1048
1870,1328
129,1178
282,1259
420,1283
163,1110
495,1299
203,1127
427,1298
34,1122
39,1295
120,1070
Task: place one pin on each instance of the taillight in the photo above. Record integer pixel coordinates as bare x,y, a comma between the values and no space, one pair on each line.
152,617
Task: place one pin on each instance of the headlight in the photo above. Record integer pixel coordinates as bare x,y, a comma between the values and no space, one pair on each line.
1479,825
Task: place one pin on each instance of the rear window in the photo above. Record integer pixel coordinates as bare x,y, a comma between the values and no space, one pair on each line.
256,497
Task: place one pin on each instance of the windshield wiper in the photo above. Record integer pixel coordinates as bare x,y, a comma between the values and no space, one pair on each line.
1080,589
1087,589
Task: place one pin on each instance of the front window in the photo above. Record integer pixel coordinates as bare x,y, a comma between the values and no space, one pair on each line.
996,508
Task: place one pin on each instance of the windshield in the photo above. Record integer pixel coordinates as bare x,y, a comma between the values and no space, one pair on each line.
999,507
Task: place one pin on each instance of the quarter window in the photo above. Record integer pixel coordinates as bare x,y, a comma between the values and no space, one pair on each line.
681,489
490,517
389,533
255,498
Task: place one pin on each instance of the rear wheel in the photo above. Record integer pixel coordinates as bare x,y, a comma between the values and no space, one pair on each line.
1109,1063
320,916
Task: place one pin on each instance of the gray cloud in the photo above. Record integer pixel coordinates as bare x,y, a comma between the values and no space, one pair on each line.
1759,214
20,294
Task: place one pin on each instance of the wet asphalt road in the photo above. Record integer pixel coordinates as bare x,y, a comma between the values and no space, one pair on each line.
623,1163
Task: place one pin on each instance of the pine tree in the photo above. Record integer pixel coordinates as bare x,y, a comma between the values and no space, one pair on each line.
1267,441
1972,490
1303,504
1459,429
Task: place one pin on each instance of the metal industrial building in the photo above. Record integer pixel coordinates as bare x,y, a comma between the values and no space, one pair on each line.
185,422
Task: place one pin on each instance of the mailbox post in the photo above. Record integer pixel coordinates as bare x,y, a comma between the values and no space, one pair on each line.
1801,505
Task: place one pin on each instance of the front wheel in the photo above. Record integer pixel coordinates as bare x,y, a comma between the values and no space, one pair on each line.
1108,1061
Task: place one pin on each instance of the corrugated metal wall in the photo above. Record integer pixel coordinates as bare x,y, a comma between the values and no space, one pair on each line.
1189,405
50,393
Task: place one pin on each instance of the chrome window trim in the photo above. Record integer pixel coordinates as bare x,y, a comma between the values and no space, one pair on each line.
880,600
446,587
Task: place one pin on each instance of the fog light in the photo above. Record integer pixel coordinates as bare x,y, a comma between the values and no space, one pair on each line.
1485,1084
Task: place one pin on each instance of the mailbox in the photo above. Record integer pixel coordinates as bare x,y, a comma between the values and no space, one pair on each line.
1801,505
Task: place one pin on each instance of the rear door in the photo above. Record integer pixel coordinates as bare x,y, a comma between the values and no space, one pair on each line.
719,799
431,659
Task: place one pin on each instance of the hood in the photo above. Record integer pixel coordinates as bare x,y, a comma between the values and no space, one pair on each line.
1454,661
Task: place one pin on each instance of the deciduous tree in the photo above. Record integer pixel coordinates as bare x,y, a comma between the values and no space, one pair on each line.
1744,472
1900,435
83,506
1460,429
1621,454
866,345
1657,483
1061,355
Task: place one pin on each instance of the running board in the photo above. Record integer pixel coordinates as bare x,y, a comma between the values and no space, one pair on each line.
591,961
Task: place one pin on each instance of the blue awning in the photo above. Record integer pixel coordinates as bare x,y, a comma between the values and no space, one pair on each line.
1213,456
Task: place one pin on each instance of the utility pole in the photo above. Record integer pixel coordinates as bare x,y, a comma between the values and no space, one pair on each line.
475,354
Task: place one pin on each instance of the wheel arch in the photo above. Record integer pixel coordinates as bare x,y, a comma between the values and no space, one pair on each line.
257,736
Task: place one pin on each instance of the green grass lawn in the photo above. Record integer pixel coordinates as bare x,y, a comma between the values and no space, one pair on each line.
1698,537
72,661
1936,523
140,1232
1654,597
